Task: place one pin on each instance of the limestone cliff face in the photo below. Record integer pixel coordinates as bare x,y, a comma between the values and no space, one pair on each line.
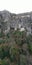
8,20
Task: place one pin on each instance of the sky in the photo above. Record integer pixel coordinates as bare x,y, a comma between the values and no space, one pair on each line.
16,6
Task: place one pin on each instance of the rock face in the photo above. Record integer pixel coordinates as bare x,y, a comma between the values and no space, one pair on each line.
9,20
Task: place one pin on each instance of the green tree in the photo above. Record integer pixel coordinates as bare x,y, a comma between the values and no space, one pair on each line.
3,62
14,52
29,43
20,37
4,51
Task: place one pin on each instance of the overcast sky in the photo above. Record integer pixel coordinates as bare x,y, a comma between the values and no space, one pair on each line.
16,6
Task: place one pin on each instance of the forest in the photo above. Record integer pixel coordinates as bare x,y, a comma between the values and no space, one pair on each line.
15,48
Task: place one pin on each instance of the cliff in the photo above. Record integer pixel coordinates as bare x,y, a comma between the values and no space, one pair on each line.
12,20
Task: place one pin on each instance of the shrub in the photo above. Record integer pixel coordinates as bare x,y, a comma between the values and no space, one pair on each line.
29,43
1,53
20,37
8,35
1,34
13,54
4,51
23,60
3,62
30,48
2,41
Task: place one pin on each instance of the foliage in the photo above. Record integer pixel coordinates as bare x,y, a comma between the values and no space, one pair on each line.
30,47
8,35
13,53
4,51
2,41
14,50
23,60
29,42
3,62
19,37
1,53
1,34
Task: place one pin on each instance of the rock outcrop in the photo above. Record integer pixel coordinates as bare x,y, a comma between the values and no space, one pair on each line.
10,20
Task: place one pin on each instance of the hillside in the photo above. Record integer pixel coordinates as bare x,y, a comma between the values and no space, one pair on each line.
15,38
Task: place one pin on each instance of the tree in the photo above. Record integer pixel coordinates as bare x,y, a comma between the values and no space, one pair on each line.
4,51
14,54
20,37
29,43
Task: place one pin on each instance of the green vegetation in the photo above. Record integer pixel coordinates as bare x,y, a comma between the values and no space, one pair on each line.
4,51
3,62
13,53
2,41
13,48
1,34
29,42
22,59
20,37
